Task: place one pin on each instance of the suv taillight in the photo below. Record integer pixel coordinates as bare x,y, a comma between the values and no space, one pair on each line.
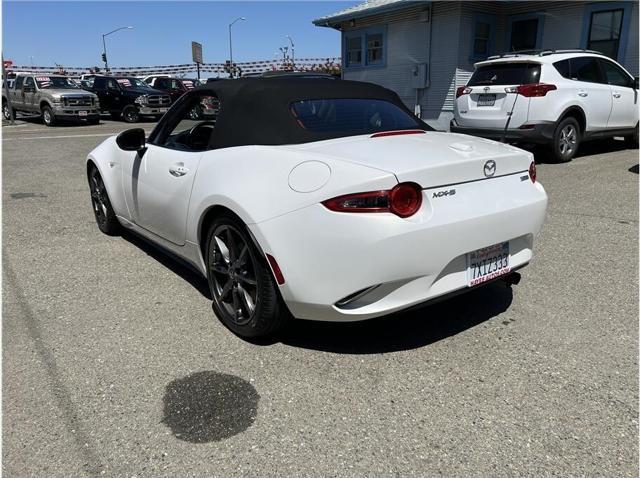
535,89
462,90
403,200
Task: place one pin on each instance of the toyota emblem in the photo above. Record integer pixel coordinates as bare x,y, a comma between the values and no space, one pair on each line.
490,168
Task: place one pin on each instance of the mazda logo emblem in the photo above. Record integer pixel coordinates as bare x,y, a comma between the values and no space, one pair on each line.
490,168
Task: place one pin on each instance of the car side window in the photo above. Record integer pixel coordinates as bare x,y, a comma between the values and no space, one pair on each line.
160,83
564,68
585,68
191,125
19,82
112,85
28,81
614,75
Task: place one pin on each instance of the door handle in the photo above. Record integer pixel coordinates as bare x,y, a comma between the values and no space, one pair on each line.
583,94
616,95
178,171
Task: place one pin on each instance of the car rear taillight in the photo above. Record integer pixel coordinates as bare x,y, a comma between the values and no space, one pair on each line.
462,90
535,89
532,171
403,200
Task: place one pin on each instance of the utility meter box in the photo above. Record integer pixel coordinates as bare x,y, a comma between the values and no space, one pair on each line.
420,75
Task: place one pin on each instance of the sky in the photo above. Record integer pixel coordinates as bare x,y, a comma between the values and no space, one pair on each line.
70,33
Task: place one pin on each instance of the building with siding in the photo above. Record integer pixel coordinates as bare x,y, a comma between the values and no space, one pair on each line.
423,50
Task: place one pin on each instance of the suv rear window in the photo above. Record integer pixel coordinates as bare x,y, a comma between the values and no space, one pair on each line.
506,74
352,116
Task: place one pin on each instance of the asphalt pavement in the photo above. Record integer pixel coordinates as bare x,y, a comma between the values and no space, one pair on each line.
115,365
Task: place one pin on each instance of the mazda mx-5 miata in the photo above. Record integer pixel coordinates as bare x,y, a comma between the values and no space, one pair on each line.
316,199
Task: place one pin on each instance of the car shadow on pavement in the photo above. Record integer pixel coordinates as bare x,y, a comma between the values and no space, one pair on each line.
542,154
402,331
171,262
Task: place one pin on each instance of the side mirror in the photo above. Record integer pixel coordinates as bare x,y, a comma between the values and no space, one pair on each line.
131,140
29,89
635,83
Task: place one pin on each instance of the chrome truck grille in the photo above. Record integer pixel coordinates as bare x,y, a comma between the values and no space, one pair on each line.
78,101
159,100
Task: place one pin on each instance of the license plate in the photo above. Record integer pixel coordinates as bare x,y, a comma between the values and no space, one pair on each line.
487,263
486,99
83,113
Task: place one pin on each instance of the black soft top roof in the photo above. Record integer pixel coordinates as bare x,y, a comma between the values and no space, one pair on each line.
255,111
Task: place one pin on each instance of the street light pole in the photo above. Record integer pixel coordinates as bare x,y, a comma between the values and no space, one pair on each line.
293,53
230,46
104,46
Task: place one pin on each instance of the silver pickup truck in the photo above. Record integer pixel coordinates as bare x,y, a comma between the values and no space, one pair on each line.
54,97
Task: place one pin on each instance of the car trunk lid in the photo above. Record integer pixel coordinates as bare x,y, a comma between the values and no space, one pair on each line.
430,159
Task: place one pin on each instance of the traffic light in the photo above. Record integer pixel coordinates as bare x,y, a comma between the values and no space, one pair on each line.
104,57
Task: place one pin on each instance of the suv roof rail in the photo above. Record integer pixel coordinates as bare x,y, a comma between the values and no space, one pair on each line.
542,53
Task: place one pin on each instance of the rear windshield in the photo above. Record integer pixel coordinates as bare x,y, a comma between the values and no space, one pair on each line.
352,116
506,74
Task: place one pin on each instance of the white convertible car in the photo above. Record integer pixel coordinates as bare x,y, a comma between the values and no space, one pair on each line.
317,199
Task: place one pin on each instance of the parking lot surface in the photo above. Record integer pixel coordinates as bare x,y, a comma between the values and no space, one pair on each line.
115,365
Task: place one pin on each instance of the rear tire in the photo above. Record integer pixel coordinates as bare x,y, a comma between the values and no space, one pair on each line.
566,140
245,296
130,114
48,118
105,217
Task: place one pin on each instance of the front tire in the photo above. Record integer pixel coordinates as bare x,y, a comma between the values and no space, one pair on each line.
244,293
130,114
566,140
48,118
105,217
6,112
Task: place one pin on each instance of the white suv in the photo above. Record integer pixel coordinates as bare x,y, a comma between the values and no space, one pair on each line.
558,98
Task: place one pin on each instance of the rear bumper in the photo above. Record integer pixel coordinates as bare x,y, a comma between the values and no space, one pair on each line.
327,256
540,133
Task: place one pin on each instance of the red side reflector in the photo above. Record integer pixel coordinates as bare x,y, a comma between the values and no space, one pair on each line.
276,269
527,126
532,171
397,133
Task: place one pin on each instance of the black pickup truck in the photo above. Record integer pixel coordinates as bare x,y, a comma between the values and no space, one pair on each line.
175,87
129,98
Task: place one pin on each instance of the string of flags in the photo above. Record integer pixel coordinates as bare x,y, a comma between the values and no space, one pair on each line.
259,66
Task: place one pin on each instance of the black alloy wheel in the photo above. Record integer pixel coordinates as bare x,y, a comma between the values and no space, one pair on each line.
105,217
242,286
130,114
